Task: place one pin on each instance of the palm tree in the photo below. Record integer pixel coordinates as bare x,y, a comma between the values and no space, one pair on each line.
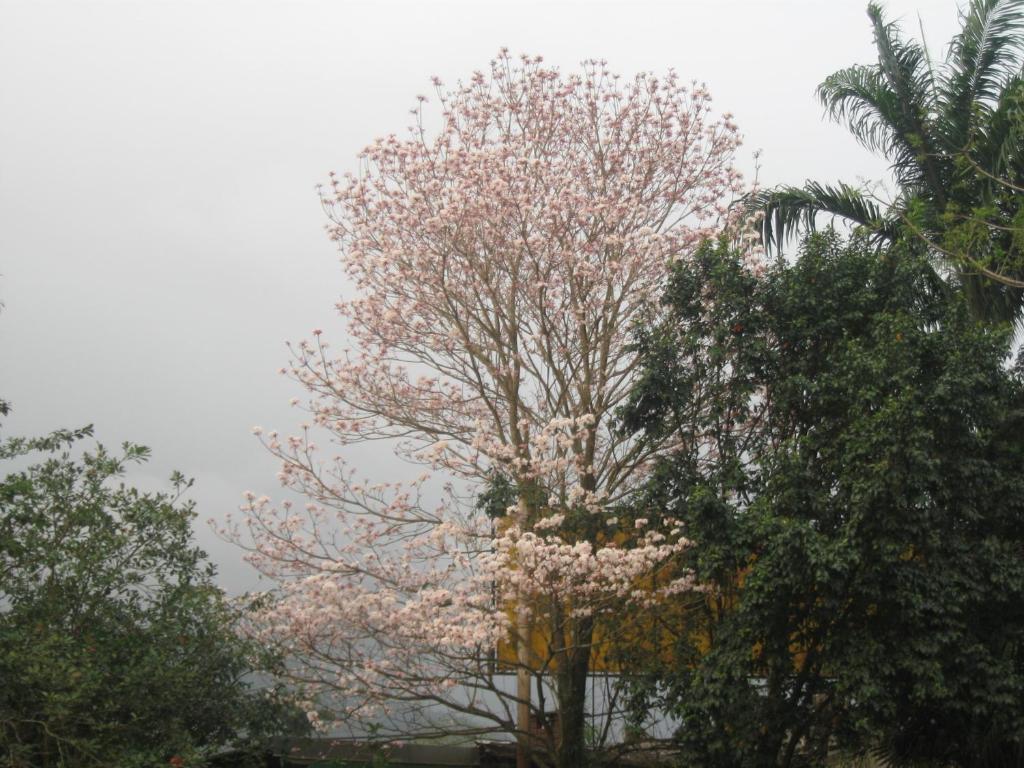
953,134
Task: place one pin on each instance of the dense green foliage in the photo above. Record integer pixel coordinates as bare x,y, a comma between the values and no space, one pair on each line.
116,647
954,134
851,457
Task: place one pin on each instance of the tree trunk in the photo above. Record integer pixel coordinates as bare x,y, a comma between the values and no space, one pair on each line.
571,685
523,632
522,690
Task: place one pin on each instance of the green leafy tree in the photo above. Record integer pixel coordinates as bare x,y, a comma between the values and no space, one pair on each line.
954,134
850,468
116,647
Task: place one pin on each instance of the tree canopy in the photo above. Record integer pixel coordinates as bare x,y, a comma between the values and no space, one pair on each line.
497,266
116,646
850,471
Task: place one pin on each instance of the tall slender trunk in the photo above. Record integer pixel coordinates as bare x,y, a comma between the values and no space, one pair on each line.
522,689
523,631
574,659
571,692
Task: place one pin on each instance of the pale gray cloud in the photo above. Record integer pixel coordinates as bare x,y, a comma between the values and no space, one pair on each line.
160,237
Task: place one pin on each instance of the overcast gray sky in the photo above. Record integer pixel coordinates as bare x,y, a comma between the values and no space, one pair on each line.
160,237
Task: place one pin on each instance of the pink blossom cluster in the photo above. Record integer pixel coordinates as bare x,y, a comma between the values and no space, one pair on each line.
500,265
376,610
543,570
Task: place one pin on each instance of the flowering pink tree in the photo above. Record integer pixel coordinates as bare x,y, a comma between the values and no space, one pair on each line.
498,264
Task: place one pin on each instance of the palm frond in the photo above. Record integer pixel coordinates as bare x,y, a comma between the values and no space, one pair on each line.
789,209
860,97
903,63
982,59
999,146
929,61
887,106
904,67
